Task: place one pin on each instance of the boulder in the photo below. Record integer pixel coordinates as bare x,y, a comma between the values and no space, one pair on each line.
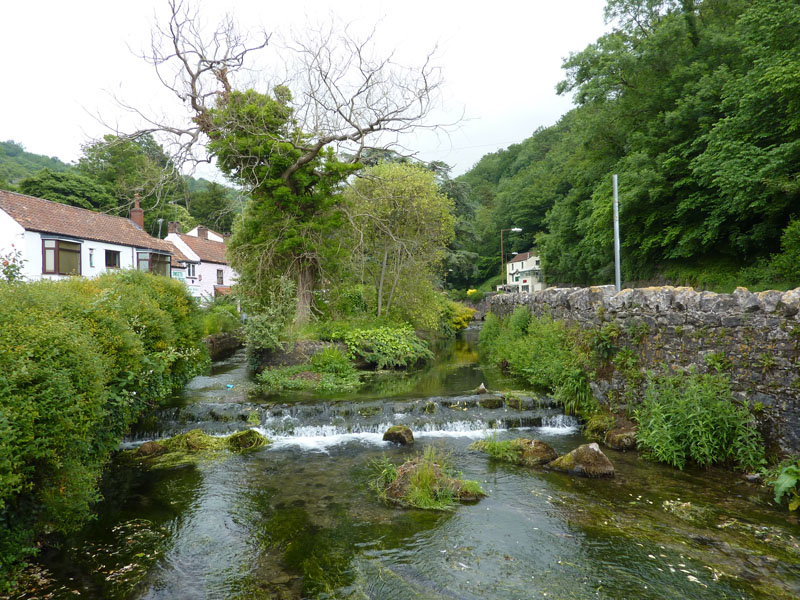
587,460
150,449
533,453
492,402
621,438
399,434
481,389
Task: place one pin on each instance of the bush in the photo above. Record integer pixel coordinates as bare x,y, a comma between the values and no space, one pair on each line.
692,418
544,353
785,480
269,318
221,316
387,347
80,360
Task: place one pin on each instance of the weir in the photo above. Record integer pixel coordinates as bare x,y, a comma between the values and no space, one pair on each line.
298,518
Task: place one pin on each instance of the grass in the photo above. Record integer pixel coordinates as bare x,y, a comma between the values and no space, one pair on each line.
426,482
329,372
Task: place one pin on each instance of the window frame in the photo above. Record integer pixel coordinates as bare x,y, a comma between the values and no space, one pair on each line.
149,260
118,254
56,249
191,271
220,277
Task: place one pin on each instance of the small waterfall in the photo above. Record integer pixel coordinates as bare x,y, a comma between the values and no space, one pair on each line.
320,424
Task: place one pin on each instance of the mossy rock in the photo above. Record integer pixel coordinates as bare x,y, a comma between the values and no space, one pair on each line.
491,402
399,434
193,441
150,449
587,460
441,490
621,438
249,439
533,453
430,408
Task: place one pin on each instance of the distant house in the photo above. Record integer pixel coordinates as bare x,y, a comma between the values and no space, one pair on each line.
57,240
207,271
524,273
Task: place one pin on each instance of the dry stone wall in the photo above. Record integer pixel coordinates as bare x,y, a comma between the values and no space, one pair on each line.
755,337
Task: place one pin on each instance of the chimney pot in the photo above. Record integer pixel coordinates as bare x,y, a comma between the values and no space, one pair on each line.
137,214
173,227
202,232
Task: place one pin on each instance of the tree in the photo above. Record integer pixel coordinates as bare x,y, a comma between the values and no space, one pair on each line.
282,144
69,187
402,225
214,207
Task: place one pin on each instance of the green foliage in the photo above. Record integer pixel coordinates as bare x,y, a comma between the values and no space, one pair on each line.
221,316
387,347
718,362
519,320
605,340
330,372
549,355
427,482
11,265
784,478
693,418
691,103
16,163
79,362
268,315
69,187
598,425
507,451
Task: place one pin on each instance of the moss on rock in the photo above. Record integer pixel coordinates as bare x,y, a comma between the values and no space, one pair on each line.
587,460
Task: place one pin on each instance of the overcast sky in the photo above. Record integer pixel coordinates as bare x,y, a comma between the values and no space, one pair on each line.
501,61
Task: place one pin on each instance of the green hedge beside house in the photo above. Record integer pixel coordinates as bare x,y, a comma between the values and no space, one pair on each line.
80,360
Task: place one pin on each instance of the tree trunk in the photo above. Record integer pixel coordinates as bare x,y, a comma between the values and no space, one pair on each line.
398,268
383,276
305,293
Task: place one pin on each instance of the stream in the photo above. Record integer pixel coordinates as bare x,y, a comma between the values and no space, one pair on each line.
297,519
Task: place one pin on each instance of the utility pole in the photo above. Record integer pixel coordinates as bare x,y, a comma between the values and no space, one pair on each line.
503,256
617,274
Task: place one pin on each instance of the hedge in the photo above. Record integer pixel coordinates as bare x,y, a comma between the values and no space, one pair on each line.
80,360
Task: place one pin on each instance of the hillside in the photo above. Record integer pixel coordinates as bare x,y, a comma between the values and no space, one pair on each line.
16,163
691,104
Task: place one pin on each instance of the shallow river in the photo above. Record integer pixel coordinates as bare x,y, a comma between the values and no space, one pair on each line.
297,519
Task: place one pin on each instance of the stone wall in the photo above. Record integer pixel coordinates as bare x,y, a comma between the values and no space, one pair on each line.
755,337
223,345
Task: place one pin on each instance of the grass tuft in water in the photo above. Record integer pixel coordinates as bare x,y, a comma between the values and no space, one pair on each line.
425,482
520,451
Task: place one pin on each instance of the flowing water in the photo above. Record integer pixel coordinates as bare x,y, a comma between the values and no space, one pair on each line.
297,519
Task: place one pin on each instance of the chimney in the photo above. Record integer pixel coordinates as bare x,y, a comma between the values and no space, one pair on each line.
137,214
202,232
173,227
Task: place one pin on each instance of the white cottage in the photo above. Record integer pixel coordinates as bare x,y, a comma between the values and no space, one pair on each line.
57,240
524,273
207,271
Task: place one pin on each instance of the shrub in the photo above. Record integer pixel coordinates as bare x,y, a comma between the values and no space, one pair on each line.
387,347
79,362
784,478
329,372
547,355
693,418
221,316
269,318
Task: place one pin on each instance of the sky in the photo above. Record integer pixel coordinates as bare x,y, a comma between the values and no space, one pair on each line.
65,62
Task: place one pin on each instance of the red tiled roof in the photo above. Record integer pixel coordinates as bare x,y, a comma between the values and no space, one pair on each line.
36,214
207,250
520,257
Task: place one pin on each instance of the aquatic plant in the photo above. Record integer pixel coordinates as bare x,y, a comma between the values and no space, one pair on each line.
425,482
693,418
520,451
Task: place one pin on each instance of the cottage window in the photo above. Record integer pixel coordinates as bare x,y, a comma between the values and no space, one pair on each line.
219,277
60,257
190,270
154,263
91,258
112,259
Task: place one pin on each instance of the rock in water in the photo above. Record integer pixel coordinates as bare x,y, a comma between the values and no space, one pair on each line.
481,389
399,434
150,449
535,453
621,438
587,460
